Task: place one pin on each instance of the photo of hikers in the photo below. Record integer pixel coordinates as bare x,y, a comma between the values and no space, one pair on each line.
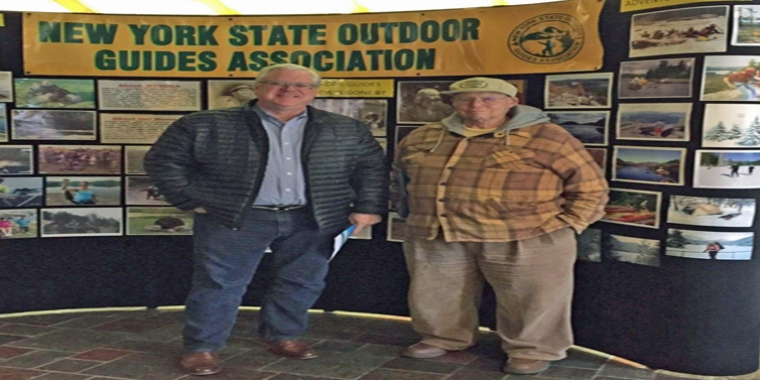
709,245
80,159
633,207
83,191
578,91
713,211
373,113
590,128
16,159
661,166
159,221
731,78
746,25
135,158
589,245
53,125
661,121
632,250
727,169
6,87
731,126
18,192
662,78
18,224
678,31
69,222
142,192
54,93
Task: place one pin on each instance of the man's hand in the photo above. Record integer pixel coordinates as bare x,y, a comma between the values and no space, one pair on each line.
200,210
363,220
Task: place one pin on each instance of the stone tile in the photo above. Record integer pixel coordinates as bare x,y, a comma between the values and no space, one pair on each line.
5,339
421,365
335,365
332,335
455,357
581,359
161,334
389,374
249,361
486,364
468,374
134,326
390,327
35,359
71,340
337,346
63,376
11,352
24,330
86,321
392,340
140,366
102,354
382,350
288,376
335,322
70,365
173,348
43,320
568,373
236,374
616,369
18,374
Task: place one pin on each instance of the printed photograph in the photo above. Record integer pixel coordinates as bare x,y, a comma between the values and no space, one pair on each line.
422,102
142,192
679,31
711,212
69,222
661,78
383,142
632,250
731,78
20,192
229,93
746,25
401,132
396,227
371,112
726,169
709,245
661,166
159,221
6,87
3,124
18,224
53,125
54,93
578,91
588,127
82,191
633,207
600,157
135,157
16,159
589,245
80,159
731,126
659,121
131,128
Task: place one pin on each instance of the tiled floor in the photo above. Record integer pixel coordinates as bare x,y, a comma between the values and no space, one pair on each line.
145,345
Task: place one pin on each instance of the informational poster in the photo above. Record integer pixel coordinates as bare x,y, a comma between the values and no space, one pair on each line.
535,38
149,95
116,128
356,88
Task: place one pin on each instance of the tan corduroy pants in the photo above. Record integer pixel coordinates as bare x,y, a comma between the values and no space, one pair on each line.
532,279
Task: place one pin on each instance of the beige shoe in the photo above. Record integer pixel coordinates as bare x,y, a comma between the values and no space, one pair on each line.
423,351
517,366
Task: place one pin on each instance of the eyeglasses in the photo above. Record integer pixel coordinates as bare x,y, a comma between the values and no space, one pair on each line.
298,85
487,100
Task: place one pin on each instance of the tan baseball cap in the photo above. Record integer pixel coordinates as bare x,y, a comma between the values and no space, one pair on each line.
481,84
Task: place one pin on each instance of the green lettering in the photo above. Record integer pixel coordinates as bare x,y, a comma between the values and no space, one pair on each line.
105,60
72,32
130,60
185,35
279,57
425,59
165,61
347,34
101,33
138,31
404,59
297,33
258,60
208,61
237,62
301,57
49,31
277,36
408,32
161,35
317,34
206,35
470,29
186,60
356,62
430,31
374,56
238,36
319,61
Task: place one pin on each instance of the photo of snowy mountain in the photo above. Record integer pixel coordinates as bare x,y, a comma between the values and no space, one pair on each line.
588,127
731,126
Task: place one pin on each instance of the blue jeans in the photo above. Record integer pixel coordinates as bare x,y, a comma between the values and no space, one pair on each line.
226,260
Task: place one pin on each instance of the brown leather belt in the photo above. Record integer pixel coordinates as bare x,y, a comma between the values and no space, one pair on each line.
278,208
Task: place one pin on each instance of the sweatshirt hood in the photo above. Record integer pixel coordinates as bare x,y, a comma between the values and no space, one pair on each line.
519,116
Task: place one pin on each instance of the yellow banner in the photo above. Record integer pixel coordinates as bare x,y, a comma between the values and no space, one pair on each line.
541,38
637,5
356,88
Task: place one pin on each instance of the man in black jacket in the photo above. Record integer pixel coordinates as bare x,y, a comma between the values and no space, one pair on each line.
274,173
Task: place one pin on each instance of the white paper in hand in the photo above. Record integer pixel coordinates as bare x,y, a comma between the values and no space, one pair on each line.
341,240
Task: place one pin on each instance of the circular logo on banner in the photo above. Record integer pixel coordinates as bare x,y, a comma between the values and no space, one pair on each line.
547,39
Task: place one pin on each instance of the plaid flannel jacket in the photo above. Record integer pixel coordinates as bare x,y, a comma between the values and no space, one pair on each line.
500,186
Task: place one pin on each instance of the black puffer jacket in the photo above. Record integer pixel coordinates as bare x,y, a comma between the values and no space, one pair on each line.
216,160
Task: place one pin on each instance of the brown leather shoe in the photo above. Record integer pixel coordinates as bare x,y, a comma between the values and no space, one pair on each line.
201,363
291,349
517,366
423,351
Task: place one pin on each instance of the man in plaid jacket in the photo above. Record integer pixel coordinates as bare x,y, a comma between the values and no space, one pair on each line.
497,193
